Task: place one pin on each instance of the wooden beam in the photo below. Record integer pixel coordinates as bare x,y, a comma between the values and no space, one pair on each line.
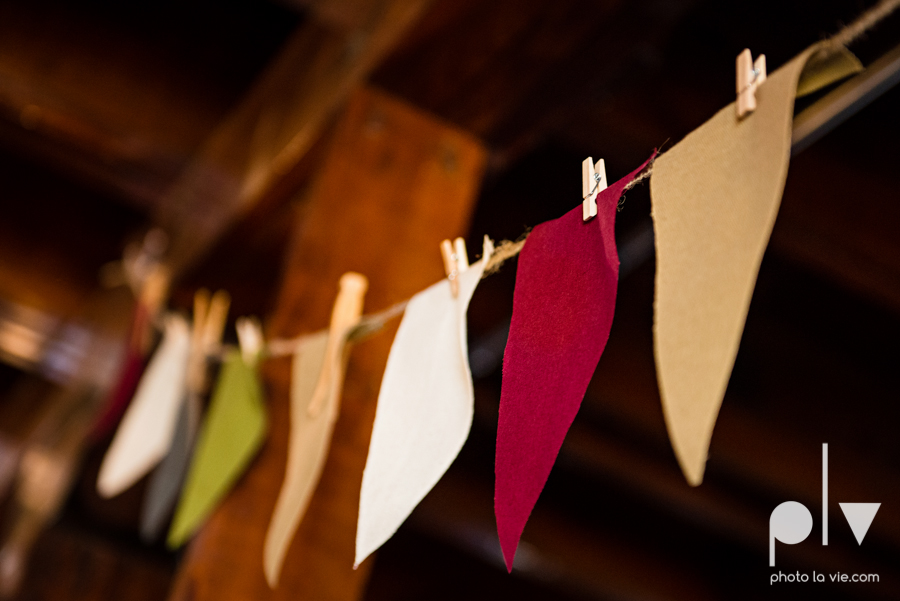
844,225
845,101
395,182
759,445
271,130
556,550
516,73
121,102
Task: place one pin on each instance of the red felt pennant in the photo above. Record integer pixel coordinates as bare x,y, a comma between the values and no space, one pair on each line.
130,372
562,312
117,402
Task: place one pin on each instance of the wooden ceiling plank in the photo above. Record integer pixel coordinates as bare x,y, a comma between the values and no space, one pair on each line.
557,550
760,451
108,107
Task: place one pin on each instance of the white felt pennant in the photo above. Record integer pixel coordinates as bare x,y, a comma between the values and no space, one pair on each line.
424,410
145,434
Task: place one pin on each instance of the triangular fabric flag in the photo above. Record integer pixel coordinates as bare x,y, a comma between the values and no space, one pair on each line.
562,312
307,449
230,437
859,516
317,380
167,480
424,408
148,426
715,196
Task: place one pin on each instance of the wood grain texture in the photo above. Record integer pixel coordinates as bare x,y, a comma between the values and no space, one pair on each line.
87,567
394,184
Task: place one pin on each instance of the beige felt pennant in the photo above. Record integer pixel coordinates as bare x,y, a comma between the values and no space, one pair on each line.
316,382
715,197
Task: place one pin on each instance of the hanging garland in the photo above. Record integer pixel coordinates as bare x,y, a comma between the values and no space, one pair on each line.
715,196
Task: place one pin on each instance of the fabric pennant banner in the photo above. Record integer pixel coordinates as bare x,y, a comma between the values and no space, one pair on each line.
563,307
425,408
307,450
230,437
715,196
148,426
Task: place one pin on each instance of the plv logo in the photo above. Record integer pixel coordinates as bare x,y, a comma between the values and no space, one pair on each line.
791,522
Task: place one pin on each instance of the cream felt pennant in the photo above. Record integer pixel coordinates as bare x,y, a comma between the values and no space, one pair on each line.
316,382
148,426
715,196
234,430
424,409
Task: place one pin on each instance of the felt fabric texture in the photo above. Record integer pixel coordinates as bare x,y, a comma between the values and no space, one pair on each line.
148,426
167,479
424,411
230,437
310,438
715,196
562,312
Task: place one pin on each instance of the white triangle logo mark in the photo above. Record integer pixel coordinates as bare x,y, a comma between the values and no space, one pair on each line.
859,516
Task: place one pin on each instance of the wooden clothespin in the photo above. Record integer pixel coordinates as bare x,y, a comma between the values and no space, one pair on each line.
250,339
456,261
593,182
154,291
346,313
196,360
140,258
750,75
210,315
142,270
137,262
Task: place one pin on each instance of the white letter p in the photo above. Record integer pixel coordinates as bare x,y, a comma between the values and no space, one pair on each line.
790,523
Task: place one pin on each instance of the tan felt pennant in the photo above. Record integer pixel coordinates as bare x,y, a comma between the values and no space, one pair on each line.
308,448
715,197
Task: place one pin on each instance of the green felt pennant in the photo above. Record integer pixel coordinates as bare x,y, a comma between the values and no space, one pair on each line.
234,430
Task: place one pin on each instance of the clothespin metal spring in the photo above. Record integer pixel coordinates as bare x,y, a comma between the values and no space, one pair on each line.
456,261
750,75
593,182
